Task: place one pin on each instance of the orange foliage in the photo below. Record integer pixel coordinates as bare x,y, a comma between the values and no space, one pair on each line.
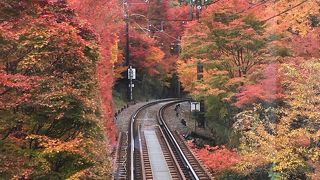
307,46
187,74
216,158
144,54
268,89
295,20
103,15
17,86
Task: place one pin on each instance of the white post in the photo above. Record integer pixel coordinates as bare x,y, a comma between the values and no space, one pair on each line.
130,77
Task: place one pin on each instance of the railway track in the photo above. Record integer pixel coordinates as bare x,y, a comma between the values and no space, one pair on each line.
154,151
121,172
191,166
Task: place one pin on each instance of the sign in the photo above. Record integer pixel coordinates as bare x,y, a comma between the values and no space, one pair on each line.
131,73
195,106
131,85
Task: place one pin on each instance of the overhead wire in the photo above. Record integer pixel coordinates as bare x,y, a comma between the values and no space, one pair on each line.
249,8
215,1
155,19
158,30
143,29
253,6
276,15
285,11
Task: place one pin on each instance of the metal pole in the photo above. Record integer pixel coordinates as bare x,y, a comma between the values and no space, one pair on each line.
127,51
178,89
161,29
191,12
127,37
131,76
202,113
195,122
197,4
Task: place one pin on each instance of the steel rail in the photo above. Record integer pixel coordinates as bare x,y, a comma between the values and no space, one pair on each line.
131,132
170,135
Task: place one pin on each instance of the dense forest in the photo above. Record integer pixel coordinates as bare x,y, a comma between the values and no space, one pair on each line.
54,121
254,63
260,83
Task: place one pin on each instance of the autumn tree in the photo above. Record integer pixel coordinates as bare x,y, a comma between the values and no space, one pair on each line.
266,89
106,18
49,111
229,45
293,17
151,36
239,40
286,128
307,45
291,133
268,94
216,159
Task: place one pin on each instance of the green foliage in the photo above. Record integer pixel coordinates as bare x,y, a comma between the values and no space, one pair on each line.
274,175
281,51
219,122
224,17
64,164
118,100
230,175
146,87
260,173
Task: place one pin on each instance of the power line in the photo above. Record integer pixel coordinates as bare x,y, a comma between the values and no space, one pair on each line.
155,19
287,10
141,28
158,30
162,20
215,1
165,33
279,14
253,6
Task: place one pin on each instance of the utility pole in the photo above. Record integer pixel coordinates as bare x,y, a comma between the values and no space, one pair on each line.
199,71
126,16
198,8
202,108
131,74
191,12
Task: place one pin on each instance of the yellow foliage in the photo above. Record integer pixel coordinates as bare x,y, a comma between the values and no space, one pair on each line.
154,54
56,145
78,175
187,72
296,19
250,161
114,53
287,160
